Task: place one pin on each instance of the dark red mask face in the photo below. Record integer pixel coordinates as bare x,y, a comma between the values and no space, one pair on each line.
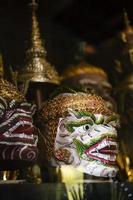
18,140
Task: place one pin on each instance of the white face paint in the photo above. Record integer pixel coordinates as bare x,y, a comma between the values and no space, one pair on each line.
87,142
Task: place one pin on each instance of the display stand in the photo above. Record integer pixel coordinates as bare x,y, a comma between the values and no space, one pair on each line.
57,191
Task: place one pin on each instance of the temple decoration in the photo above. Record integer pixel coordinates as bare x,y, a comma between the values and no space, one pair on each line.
124,63
127,37
1,67
90,77
124,97
79,130
124,94
18,136
37,69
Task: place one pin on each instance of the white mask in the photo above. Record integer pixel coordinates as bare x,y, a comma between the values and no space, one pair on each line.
87,142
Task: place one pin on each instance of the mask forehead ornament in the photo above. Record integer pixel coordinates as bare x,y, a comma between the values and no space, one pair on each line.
82,133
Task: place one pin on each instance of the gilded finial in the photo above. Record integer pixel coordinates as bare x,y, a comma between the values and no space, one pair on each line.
126,19
127,36
36,68
34,3
1,67
128,29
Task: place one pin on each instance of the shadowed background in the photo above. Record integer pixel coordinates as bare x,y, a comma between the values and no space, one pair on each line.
63,24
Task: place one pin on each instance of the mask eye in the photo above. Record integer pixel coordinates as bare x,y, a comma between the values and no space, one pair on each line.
86,127
106,125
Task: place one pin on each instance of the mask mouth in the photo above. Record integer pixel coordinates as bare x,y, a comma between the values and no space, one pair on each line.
18,130
104,151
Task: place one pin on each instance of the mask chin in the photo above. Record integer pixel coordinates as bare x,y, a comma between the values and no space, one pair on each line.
96,169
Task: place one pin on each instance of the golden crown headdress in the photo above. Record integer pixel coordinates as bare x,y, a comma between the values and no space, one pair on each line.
83,68
37,68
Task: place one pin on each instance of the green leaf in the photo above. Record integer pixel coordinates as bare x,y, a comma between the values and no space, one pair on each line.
87,114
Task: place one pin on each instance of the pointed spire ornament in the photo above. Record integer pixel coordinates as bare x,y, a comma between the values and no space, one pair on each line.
127,36
1,67
128,29
126,20
37,69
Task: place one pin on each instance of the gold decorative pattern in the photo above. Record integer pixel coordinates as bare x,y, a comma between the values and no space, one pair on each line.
83,68
58,107
9,91
37,69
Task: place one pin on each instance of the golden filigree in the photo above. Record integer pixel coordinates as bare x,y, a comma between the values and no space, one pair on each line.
9,91
58,107
37,68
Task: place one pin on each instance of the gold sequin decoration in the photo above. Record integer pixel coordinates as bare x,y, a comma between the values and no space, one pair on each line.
37,69
9,91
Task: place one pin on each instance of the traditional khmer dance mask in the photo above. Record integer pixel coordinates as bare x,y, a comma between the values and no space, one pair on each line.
90,77
18,140
79,130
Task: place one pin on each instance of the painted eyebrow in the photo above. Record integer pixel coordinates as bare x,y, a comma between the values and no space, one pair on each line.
111,118
86,114
70,126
